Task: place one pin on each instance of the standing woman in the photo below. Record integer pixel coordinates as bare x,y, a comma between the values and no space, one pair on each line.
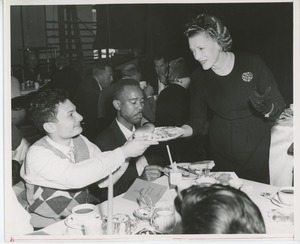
242,94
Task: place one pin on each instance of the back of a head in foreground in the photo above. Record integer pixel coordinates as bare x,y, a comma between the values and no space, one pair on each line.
218,209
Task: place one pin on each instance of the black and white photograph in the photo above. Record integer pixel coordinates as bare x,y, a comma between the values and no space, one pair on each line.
150,121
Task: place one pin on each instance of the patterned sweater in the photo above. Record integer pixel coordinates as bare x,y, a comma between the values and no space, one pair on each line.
48,205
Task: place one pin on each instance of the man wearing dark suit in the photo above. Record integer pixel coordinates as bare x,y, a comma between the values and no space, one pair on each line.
159,79
128,101
87,96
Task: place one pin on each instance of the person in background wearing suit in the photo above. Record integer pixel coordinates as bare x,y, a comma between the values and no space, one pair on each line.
173,109
128,101
159,80
87,99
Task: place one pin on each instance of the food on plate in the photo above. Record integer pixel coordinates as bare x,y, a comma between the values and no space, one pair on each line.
206,180
184,172
165,133
202,165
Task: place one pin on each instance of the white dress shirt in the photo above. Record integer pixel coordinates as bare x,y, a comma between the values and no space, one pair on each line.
160,86
141,162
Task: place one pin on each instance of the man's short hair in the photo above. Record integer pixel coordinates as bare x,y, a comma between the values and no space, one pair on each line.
129,71
43,108
98,69
119,87
218,209
178,69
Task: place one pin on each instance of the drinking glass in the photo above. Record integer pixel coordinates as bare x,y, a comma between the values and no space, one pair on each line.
163,218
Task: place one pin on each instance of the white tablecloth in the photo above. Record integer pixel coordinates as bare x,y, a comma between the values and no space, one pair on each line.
280,163
275,230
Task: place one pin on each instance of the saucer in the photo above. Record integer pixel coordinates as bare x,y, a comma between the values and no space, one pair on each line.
276,202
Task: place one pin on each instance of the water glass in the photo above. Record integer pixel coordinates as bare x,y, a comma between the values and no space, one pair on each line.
163,218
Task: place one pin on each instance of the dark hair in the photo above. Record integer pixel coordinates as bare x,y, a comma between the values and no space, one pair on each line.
212,26
99,68
178,69
119,86
218,209
43,108
130,70
159,56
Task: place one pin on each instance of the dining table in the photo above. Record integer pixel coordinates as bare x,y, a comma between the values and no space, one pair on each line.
276,229
281,163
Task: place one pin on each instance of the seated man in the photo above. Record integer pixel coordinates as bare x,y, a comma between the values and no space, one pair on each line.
60,166
218,209
128,101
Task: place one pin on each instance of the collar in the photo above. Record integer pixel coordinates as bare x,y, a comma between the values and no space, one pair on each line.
127,133
60,147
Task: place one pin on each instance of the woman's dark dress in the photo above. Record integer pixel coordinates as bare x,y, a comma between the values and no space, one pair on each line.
239,135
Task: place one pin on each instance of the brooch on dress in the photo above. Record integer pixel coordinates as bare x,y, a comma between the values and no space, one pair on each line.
247,76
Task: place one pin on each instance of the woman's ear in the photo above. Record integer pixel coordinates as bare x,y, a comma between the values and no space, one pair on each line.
49,127
117,104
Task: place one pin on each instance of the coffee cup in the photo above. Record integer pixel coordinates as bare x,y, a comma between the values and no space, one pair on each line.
286,195
84,213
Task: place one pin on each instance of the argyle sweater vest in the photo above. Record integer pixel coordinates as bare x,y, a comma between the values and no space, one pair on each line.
48,205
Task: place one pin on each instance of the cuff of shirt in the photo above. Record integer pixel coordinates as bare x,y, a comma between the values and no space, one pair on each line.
141,164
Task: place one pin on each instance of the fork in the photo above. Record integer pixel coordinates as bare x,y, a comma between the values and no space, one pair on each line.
270,196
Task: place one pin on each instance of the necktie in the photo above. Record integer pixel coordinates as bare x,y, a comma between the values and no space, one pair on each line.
71,154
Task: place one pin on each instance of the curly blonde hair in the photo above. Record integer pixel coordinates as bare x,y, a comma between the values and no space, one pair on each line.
212,26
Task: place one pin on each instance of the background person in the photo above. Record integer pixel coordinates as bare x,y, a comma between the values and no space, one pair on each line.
242,94
173,109
87,100
159,78
218,209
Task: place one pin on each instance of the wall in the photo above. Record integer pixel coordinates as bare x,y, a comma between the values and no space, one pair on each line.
27,29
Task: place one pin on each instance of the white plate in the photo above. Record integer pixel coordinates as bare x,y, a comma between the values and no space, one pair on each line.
276,202
169,133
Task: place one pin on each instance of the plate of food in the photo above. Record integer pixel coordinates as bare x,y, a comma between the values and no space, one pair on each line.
224,178
165,133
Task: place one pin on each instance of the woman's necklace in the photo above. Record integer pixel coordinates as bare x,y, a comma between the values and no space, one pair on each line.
226,61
